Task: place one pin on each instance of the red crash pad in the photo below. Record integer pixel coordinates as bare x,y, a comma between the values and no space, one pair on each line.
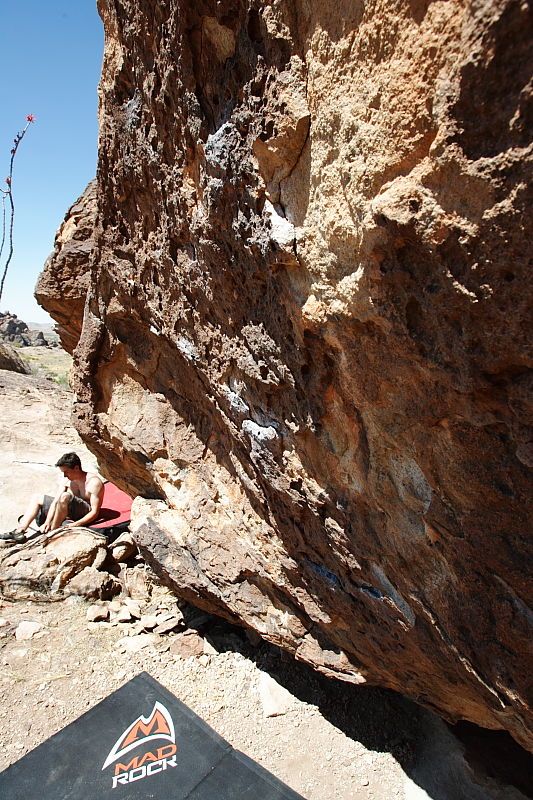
116,507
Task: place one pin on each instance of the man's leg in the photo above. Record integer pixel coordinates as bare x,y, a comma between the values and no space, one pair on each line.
61,510
32,511
77,508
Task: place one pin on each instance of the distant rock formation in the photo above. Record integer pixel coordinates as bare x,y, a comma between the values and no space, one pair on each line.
15,331
305,266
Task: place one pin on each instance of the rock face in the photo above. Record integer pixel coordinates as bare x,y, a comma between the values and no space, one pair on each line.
304,341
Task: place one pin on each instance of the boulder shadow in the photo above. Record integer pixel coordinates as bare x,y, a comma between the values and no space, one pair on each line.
448,762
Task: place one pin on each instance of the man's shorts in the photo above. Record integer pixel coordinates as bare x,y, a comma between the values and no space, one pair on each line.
77,508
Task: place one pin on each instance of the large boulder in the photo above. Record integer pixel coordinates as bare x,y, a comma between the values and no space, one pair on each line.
304,338
11,361
61,563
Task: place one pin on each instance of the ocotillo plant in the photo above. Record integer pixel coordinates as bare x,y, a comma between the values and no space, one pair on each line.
7,195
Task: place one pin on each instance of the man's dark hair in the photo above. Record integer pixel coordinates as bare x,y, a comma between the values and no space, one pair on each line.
71,460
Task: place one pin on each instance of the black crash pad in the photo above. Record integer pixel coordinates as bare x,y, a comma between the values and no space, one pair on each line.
140,742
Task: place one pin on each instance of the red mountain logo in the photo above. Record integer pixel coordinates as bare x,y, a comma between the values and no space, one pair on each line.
158,725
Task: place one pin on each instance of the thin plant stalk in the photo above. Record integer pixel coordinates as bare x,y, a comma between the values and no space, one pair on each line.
8,193
3,224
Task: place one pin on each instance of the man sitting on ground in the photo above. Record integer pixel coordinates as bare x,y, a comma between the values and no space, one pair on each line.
79,501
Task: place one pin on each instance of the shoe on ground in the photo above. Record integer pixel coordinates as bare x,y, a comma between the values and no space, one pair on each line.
13,536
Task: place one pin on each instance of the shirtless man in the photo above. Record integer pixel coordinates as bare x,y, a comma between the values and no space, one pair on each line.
79,499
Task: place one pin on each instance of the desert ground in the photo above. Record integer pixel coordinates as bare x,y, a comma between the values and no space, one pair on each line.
325,739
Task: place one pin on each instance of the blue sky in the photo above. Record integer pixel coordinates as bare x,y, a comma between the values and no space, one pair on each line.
51,53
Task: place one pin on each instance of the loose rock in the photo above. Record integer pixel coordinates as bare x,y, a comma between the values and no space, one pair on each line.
27,630
132,644
275,699
133,607
169,624
148,621
97,613
91,582
123,548
187,644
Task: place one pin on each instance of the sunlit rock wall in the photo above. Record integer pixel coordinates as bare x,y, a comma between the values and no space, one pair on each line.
304,341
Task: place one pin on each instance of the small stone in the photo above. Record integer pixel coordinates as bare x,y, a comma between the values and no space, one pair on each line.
132,644
124,615
133,607
123,548
94,583
209,650
163,617
364,781
97,613
204,660
168,625
136,582
27,630
115,605
187,644
93,626
148,621
275,699
99,559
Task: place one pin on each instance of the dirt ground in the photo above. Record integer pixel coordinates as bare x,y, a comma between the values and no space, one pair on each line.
329,741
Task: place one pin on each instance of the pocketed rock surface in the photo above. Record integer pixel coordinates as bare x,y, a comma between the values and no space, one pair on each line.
306,263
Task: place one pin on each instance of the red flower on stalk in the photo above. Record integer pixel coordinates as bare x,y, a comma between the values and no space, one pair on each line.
30,117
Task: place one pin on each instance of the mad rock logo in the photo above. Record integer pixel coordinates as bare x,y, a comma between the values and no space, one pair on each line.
138,752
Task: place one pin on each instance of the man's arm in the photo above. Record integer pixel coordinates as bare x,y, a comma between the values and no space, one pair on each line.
95,488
